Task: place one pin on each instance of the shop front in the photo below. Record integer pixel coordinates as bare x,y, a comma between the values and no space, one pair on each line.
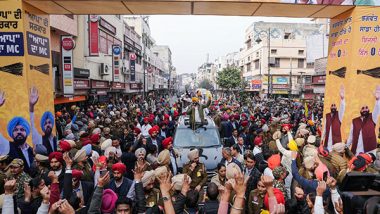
99,90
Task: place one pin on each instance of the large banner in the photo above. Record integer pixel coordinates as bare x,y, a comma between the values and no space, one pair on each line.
26,92
352,99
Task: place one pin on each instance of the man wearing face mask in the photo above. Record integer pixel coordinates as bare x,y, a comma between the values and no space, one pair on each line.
362,132
47,124
331,133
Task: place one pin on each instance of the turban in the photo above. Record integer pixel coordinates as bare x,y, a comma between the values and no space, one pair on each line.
146,119
109,199
279,197
15,122
47,115
257,141
232,170
286,126
300,142
95,138
96,131
244,115
193,154
321,168
244,123
194,99
164,157
137,130
302,126
309,162
88,149
109,150
77,174
237,117
56,155
148,177
232,117
310,122
263,121
166,142
252,118
64,145
86,142
119,167
160,170
166,116
311,139
274,161
139,151
58,114
310,151
338,147
41,158
107,143
72,143
304,131
40,149
177,181
292,145
151,130
80,155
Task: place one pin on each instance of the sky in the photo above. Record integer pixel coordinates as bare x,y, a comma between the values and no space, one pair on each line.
191,38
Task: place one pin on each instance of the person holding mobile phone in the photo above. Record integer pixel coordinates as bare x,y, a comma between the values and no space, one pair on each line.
196,170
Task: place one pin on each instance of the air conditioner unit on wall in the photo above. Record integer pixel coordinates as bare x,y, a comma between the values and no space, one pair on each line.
104,69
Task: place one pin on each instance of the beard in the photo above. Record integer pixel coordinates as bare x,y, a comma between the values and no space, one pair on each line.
118,178
333,110
48,131
364,113
19,140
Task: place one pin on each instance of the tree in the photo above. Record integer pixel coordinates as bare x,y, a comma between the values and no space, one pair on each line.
206,84
229,78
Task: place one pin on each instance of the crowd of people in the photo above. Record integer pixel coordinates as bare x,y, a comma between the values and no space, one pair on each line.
118,157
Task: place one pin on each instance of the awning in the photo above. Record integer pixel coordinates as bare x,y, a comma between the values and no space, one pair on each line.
61,100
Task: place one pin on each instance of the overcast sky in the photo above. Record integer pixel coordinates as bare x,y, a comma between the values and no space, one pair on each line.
191,38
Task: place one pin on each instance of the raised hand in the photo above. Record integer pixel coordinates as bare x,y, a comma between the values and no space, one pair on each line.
299,193
165,183
68,160
104,180
10,186
138,173
53,177
321,188
66,208
33,98
341,92
45,192
339,206
331,182
186,185
2,98
240,184
267,181
377,92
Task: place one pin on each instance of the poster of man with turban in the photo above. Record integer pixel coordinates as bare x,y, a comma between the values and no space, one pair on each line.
362,135
18,129
333,120
48,140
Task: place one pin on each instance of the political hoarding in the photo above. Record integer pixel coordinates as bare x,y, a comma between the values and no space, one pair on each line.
26,91
353,76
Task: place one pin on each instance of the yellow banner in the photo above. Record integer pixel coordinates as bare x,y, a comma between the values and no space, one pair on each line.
25,64
353,72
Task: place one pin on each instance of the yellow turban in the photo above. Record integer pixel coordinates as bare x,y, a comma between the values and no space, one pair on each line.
195,99
293,145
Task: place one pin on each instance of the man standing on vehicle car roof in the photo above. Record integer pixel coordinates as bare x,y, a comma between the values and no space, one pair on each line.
196,170
197,118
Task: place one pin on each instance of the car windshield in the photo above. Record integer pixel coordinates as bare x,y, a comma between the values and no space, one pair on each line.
198,138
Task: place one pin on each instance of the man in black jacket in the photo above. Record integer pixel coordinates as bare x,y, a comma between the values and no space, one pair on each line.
252,172
211,206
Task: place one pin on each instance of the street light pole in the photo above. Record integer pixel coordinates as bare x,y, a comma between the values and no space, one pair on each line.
269,77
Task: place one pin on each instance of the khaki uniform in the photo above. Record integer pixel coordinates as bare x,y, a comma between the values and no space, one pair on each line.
255,202
198,175
338,161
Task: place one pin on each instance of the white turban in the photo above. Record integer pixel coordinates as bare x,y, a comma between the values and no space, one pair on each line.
193,154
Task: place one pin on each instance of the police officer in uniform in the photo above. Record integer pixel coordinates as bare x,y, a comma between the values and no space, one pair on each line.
196,170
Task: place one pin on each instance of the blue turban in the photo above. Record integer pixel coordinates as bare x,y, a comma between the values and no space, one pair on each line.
47,115
15,122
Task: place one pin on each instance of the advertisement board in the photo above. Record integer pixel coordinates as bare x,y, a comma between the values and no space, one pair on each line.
67,46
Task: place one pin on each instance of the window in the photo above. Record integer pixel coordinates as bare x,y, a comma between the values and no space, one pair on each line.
249,59
310,65
301,63
106,41
300,52
249,67
273,51
307,79
275,63
248,43
257,64
287,36
257,54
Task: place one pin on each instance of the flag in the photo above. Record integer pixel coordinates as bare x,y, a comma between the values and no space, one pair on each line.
306,110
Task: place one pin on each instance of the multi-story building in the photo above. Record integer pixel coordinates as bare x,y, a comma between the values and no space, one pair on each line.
207,71
153,67
319,78
186,81
275,55
165,54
